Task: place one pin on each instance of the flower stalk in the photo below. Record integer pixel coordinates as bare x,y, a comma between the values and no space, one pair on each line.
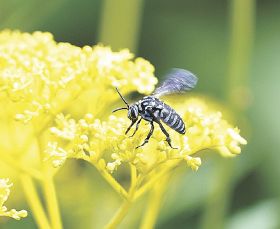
112,181
237,95
122,211
51,200
154,203
34,202
152,181
21,168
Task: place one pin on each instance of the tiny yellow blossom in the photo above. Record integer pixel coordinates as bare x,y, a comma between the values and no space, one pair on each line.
4,194
193,162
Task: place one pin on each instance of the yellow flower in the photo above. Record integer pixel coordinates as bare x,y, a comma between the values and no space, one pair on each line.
4,194
95,140
64,95
46,78
193,162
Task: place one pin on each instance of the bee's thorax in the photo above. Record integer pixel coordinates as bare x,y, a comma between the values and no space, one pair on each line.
161,111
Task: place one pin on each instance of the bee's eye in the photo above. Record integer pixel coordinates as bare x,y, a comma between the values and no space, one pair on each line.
132,113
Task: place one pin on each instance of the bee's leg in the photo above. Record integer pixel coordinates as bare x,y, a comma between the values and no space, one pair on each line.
132,123
148,136
166,134
137,125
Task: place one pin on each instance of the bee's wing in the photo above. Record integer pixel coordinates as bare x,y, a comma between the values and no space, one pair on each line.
177,81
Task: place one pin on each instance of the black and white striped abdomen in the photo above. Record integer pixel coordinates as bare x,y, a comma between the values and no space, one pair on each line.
172,119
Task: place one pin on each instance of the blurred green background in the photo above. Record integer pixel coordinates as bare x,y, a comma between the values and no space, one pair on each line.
234,48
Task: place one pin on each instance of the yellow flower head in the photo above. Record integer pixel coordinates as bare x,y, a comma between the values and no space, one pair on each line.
44,77
65,94
94,139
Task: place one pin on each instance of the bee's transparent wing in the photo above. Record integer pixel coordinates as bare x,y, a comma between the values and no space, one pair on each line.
177,81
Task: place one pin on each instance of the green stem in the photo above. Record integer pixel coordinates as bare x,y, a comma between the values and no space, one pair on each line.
49,190
148,185
241,40
6,158
120,23
34,202
111,180
154,203
242,26
51,199
219,196
122,211
118,217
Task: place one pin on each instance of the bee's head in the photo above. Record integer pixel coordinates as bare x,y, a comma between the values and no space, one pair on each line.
132,113
132,109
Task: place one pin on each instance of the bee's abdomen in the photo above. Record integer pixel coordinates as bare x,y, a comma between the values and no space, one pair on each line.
172,119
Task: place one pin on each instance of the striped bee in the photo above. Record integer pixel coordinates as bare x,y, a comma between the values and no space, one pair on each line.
152,109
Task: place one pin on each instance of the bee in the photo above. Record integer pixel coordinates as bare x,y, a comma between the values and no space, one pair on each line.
152,109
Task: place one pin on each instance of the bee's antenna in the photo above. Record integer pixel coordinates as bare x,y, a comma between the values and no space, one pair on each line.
122,97
121,108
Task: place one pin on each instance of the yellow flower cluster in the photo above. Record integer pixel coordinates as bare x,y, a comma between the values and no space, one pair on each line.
45,76
95,140
39,79
4,194
64,95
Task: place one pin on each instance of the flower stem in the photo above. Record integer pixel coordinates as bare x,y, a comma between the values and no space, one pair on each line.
111,180
120,23
241,40
34,202
20,167
219,196
122,211
154,203
118,217
242,26
155,178
51,199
